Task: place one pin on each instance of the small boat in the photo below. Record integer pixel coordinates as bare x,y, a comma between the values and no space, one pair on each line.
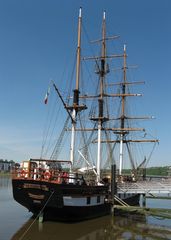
83,185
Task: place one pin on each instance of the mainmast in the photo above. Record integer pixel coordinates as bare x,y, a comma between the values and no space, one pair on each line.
122,126
101,100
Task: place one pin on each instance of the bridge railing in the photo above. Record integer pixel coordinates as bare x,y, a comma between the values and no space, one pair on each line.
146,187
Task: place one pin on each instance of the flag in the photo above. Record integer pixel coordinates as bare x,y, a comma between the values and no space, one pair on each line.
46,96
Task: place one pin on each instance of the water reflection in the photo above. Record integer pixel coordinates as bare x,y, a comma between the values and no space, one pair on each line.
5,181
105,228
12,215
5,187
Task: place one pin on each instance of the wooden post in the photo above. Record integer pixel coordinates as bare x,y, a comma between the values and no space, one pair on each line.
143,200
41,217
144,174
113,184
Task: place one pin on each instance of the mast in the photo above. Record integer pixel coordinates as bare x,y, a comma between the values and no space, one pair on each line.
101,100
122,126
76,90
122,131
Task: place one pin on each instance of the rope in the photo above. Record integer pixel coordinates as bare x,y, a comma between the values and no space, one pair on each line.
150,155
59,142
22,236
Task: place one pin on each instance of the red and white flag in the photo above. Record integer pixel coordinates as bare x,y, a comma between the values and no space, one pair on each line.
47,95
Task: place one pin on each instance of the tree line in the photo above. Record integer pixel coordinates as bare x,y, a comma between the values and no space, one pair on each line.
156,171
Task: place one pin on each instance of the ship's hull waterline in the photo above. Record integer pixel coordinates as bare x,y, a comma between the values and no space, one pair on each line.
64,202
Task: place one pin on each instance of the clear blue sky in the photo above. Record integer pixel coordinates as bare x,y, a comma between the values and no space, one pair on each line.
36,36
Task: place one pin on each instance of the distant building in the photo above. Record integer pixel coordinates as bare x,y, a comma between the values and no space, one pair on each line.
6,166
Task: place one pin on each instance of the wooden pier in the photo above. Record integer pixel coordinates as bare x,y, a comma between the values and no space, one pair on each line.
157,188
158,212
153,187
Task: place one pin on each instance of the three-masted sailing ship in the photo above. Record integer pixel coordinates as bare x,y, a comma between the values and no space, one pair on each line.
63,189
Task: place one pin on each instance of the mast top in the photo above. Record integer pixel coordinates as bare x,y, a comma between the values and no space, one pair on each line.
124,47
104,15
80,11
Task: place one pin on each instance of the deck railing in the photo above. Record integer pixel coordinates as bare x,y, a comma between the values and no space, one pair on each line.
41,174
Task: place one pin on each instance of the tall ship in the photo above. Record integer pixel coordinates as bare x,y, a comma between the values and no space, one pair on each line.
79,179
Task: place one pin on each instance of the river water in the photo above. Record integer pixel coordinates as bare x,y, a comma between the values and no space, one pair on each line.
16,223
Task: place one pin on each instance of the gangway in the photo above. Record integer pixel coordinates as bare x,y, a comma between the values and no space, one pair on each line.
153,187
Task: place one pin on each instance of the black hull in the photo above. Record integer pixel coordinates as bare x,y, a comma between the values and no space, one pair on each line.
53,200
48,197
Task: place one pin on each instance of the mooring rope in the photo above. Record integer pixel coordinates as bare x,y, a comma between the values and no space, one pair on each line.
22,236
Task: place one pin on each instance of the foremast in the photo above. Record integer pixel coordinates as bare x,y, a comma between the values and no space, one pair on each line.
75,108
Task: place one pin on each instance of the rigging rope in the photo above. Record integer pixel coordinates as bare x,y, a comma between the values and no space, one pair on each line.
47,128
50,144
110,157
38,215
88,141
150,154
59,142
130,156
